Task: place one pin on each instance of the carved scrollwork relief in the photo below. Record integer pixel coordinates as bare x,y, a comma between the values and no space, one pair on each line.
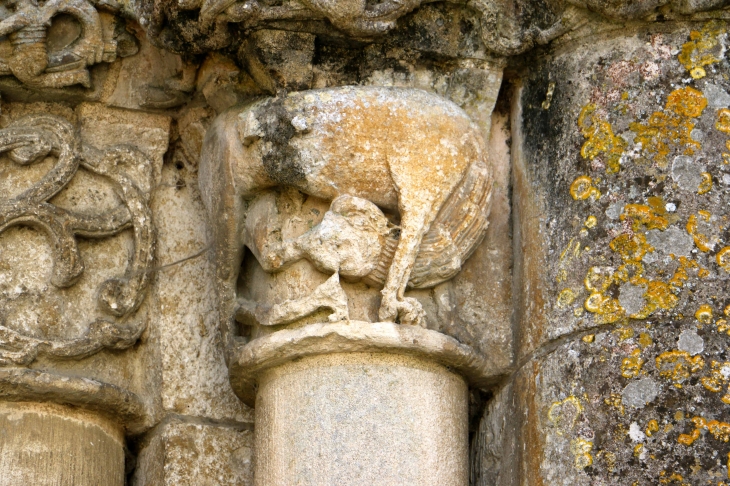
30,140
26,23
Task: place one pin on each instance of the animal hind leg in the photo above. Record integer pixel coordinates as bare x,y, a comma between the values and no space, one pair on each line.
394,305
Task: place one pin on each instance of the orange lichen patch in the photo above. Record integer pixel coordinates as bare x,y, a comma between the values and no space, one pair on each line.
631,366
581,450
565,413
706,184
658,295
652,427
624,333
703,272
638,449
704,314
598,279
719,430
601,141
702,49
678,365
582,188
645,340
718,378
723,120
673,126
680,275
614,400
674,478
723,259
643,215
702,241
631,247
607,310
566,297
687,102
688,439
722,326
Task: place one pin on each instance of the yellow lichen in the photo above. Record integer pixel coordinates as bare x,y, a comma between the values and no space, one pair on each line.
722,326
598,279
688,439
719,430
652,427
566,297
674,478
615,400
704,314
678,365
702,49
673,126
582,188
581,450
601,141
658,295
631,366
718,378
589,338
564,414
645,340
607,310
591,222
702,241
723,258
723,120
643,215
624,333
706,184
631,247
638,449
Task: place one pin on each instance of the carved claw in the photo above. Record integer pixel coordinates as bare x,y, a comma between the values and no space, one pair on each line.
407,311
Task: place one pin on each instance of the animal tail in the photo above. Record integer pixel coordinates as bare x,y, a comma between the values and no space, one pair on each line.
456,232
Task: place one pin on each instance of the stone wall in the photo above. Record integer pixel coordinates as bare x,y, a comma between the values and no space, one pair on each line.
316,242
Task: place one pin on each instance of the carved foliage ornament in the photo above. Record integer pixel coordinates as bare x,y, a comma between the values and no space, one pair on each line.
30,140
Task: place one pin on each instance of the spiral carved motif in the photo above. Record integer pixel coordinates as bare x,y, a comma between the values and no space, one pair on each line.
30,140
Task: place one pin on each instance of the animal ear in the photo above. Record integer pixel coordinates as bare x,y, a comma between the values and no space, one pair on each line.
249,128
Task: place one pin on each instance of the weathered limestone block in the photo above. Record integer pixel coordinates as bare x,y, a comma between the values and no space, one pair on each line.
204,454
621,194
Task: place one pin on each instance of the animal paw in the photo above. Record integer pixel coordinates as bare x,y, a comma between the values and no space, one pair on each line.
411,313
407,311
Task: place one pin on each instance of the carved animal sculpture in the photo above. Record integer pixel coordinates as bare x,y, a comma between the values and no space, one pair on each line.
408,151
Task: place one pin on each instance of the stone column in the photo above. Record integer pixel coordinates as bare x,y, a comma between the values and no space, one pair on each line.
621,196
48,444
343,395
359,403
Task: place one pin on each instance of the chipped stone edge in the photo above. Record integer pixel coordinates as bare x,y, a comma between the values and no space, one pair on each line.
121,406
251,359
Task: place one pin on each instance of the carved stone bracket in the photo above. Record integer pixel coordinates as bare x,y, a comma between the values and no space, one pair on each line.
30,140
